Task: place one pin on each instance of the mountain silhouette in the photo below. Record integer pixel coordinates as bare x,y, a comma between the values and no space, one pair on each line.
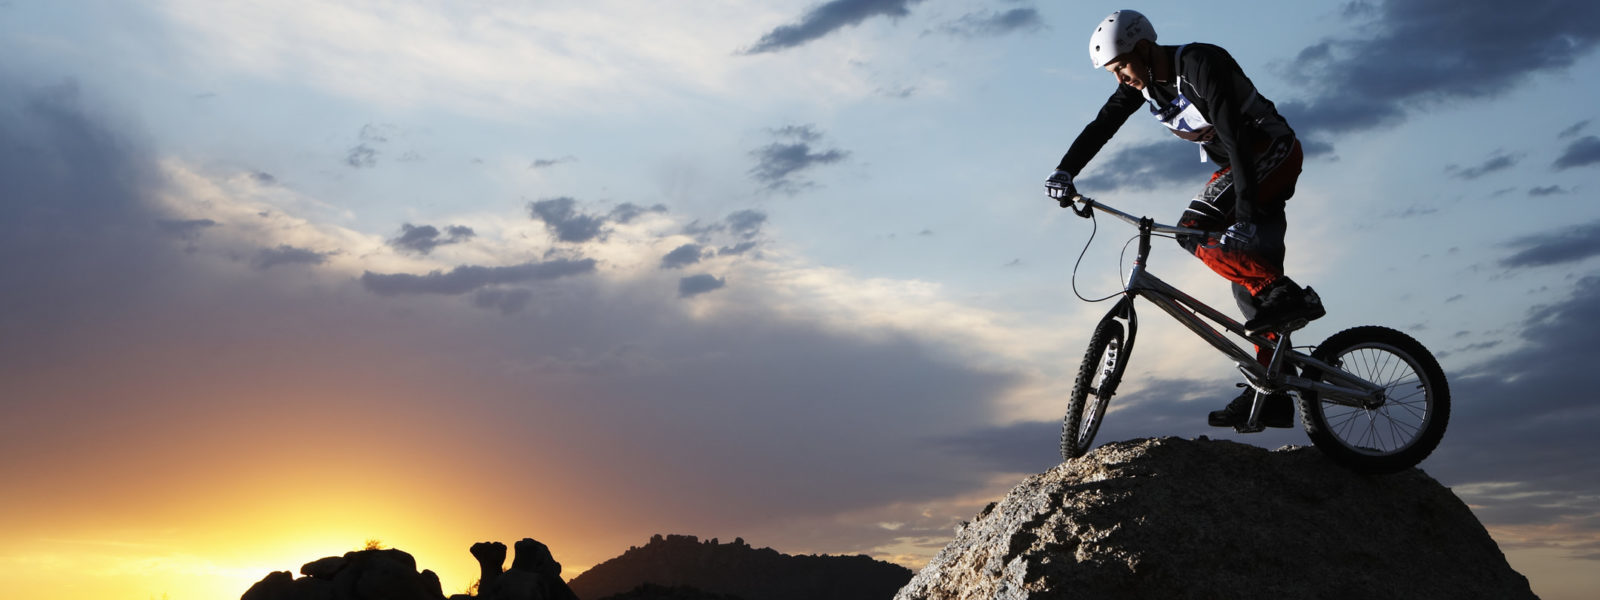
739,570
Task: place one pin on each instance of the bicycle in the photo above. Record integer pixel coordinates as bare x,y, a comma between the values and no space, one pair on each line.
1372,398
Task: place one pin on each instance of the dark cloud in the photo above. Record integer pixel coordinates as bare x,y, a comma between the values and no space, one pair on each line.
694,285
746,223
467,278
1574,130
188,230
990,23
627,212
1147,166
1581,152
377,133
264,178
1547,190
1498,162
1525,420
827,18
779,164
543,163
1409,59
361,156
1413,211
561,217
424,239
682,256
288,255
1571,244
736,249
1025,447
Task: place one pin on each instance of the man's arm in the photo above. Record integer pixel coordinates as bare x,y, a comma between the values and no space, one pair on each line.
1118,107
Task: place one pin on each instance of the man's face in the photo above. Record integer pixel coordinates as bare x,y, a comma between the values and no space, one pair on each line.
1129,69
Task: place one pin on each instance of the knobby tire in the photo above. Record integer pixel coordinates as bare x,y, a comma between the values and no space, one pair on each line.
1388,438
1098,376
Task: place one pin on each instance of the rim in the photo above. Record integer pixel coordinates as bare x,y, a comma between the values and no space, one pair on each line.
1092,410
1405,414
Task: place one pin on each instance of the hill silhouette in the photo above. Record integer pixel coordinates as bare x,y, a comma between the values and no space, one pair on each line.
1172,518
739,570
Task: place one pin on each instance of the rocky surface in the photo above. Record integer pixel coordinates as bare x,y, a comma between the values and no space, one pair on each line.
736,569
1173,518
392,575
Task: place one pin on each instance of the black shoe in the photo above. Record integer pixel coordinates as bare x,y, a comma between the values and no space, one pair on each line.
1284,303
1278,411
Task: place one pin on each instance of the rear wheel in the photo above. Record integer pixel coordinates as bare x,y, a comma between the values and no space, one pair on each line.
1387,434
1097,380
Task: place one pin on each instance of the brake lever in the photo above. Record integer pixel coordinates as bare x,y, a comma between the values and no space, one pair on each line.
1086,211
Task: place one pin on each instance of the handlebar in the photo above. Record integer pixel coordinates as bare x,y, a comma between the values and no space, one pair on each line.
1089,205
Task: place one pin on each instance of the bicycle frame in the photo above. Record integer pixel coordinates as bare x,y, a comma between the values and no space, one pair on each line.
1342,387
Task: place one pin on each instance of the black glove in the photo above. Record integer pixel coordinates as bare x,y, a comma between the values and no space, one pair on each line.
1240,237
1059,187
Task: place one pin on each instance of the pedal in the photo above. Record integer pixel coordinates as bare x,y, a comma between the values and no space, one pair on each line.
1248,429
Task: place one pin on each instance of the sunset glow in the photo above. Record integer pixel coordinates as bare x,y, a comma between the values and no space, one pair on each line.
283,278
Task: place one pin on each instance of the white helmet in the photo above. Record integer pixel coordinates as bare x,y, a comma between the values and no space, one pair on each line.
1117,34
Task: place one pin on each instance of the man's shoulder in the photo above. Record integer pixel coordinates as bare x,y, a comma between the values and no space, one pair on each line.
1204,51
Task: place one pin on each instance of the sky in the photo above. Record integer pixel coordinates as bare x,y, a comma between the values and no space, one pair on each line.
285,277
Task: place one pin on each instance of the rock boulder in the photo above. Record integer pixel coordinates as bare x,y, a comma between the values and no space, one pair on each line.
1173,518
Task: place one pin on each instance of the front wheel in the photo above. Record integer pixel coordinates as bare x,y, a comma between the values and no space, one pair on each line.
1382,435
1097,380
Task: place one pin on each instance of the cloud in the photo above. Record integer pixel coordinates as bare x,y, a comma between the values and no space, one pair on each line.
738,233
747,223
722,392
467,278
1573,130
563,219
288,255
1581,152
423,239
1408,59
682,256
1498,162
1555,247
1525,421
694,285
1147,166
185,229
827,18
628,211
779,164
990,23
1547,190
361,156
544,163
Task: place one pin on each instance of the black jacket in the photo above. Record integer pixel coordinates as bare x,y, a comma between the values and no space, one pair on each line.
1244,122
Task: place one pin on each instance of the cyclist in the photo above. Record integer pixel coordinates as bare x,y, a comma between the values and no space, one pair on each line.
1199,93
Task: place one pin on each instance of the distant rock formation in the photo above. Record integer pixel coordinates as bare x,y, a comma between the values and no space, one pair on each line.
1172,518
359,575
392,575
738,570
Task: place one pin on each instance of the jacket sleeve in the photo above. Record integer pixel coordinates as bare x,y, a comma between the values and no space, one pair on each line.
1118,107
1222,86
